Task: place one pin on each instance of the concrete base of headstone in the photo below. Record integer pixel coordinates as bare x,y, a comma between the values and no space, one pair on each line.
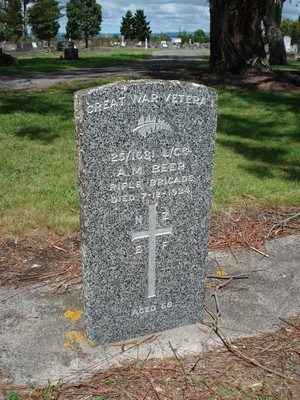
145,161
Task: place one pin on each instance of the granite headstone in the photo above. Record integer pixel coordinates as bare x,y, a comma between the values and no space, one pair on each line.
145,153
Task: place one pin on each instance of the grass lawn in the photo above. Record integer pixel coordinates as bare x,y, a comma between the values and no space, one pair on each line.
47,62
257,155
258,148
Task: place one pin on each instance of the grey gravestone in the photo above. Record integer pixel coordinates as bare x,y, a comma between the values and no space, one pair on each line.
71,54
145,154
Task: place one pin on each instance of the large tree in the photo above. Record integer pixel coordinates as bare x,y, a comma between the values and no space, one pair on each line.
236,36
141,28
84,19
126,28
11,21
272,22
43,17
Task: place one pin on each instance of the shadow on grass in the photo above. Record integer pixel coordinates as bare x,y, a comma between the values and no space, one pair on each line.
266,161
263,127
35,132
56,102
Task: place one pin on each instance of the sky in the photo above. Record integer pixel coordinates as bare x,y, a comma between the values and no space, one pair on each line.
165,16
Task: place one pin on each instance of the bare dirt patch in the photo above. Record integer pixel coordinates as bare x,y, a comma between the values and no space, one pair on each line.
281,82
187,69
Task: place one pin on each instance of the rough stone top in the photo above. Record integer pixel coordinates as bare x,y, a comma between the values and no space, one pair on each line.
128,89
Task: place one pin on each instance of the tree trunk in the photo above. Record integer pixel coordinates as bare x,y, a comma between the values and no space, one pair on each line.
236,37
86,39
272,22
25,20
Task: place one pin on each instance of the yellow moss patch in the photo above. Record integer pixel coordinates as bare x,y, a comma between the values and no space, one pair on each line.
74,336
68,346
236,299
74,315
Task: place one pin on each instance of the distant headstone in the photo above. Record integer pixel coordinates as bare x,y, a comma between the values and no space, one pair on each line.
71,54
26,46
65,44
145,154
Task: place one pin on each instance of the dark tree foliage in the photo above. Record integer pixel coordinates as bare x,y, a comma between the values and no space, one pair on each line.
11,21
236,35
84,19
198,36
43,18
15,12
127,25
286,26
141,28
295,34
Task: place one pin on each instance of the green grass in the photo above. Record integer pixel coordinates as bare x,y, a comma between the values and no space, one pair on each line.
13,395
257,154
38,186
292,66
47,62
258,148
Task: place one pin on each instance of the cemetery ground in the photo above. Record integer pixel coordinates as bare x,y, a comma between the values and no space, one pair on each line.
256,199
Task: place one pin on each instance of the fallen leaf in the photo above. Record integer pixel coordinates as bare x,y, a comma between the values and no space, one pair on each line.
221,272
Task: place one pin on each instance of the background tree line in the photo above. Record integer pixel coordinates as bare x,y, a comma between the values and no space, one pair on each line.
291,28
135,26
84,19
17,15
198,36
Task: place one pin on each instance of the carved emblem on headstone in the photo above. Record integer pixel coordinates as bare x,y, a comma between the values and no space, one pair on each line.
152,232
148,124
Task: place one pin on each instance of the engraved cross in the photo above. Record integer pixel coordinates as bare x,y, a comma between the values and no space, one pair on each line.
151,234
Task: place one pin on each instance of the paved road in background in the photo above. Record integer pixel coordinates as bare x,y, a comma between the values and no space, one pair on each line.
166,64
